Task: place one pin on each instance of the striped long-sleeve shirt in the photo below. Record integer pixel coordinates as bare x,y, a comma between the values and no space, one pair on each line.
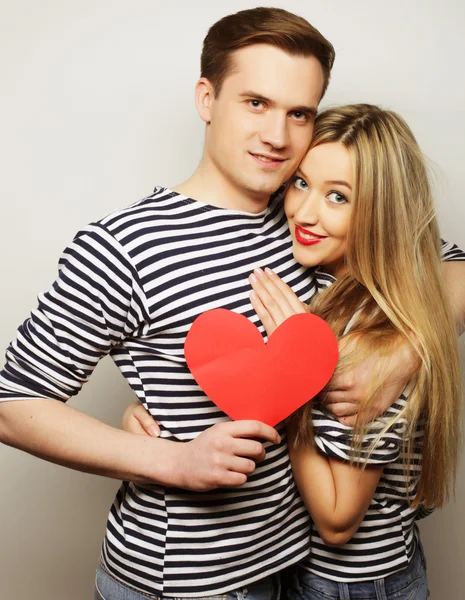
130,285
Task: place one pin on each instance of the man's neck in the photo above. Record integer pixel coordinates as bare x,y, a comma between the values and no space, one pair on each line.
206,185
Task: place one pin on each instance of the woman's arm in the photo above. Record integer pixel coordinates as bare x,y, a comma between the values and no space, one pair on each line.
337,494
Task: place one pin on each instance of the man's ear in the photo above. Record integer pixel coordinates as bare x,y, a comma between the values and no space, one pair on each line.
204,98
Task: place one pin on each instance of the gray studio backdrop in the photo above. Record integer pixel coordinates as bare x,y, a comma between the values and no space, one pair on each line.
96,107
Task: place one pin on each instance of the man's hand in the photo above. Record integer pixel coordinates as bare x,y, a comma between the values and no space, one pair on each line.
220,456
348,389
223,455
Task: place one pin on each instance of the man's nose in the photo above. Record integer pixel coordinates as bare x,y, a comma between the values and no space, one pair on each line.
275,130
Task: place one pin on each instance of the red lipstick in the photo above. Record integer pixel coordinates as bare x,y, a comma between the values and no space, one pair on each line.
301,235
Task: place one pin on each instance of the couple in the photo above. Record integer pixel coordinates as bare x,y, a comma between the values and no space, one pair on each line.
205,509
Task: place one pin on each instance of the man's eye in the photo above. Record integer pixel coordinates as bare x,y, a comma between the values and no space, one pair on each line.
337,198
300,116
300,183
256,103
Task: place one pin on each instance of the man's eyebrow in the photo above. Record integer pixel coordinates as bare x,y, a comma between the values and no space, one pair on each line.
313,110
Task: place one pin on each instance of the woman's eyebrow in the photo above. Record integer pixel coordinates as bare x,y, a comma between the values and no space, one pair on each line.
299,173
339,182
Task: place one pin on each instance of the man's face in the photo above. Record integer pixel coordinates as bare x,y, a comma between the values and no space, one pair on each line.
261,122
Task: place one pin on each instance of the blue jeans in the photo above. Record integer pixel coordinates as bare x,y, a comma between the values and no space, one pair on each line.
108,588
409,584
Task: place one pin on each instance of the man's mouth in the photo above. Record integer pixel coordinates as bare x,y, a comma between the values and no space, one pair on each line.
268,160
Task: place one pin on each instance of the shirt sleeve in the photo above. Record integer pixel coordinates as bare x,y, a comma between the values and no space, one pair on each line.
423,512
335,440
95,303
450,251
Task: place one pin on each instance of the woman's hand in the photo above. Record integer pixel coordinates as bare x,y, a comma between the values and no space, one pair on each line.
272,299
274,302
136,419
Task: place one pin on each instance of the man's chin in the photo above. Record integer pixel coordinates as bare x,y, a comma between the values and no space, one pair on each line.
264,189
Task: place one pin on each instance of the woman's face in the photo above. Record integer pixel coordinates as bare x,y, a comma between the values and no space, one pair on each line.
318,206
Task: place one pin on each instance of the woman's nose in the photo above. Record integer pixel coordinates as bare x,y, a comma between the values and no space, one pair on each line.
308,210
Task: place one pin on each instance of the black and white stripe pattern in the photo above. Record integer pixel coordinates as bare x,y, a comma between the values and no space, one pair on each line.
130,286
387,538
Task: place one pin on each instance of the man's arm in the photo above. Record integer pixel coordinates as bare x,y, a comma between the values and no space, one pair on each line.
223,455
61,434
347,389
96,303
274,301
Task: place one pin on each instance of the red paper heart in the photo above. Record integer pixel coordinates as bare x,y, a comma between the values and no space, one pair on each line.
248,379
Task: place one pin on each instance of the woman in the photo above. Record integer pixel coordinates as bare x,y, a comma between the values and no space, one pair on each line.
360,207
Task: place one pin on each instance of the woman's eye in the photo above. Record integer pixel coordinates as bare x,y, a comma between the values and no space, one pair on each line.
337,198
300,184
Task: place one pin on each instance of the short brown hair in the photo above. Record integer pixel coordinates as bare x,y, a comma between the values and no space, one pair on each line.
274,26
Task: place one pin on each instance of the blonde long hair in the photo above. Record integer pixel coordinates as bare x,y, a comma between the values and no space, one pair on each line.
394,284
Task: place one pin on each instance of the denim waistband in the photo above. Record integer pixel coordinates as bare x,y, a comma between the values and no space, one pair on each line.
392,584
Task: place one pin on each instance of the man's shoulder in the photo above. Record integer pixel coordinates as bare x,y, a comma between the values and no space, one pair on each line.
156,218
159,213
126,227
161,201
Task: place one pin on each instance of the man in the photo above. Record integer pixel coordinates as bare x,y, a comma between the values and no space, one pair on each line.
132,284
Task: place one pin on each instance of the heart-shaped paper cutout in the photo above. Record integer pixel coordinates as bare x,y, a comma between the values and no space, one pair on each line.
248,379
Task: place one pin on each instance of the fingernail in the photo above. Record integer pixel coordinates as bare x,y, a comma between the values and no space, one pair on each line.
259,272
253,295
253,279
154,432
268,271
